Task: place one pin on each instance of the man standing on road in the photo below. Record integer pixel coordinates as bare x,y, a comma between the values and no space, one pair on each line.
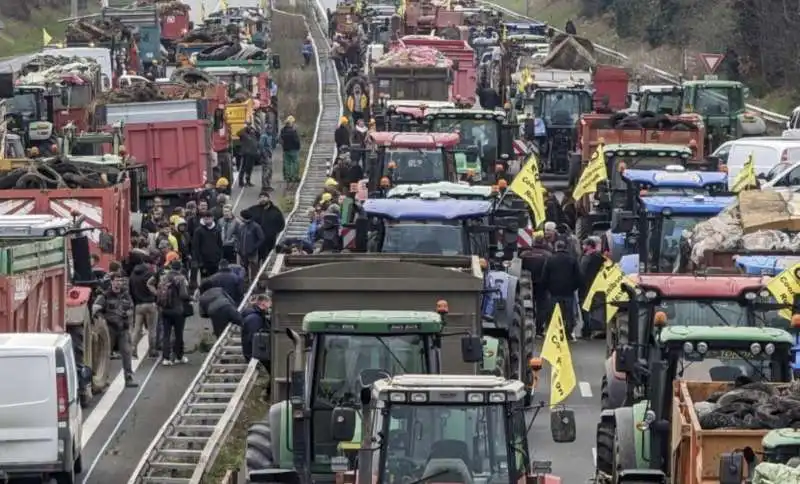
534,261
116,307
271,220
250,240
207,245
290,141
266,144
248,147
145,311
562,277
172,297
229,227
590,263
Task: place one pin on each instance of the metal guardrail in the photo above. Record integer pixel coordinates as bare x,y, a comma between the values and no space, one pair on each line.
769,116
189,441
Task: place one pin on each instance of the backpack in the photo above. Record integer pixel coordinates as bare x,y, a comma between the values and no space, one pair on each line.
167,292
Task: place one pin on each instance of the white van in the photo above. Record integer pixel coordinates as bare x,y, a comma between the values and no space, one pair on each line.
40,413
767,153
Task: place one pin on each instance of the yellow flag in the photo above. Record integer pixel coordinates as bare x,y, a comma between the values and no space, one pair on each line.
505,33
556,351
46,38
784,287
609,280
746,179
223,4
529,187
594,172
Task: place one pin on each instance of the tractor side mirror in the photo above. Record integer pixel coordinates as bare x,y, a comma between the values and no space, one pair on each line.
275,61
625,361
262,349
343,424
562,425
471,349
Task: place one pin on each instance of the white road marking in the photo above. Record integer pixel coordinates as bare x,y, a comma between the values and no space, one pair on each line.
112,393
594,456
124,416
585,388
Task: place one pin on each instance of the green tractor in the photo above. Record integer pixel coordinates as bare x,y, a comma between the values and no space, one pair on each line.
635,443
449,428
334,357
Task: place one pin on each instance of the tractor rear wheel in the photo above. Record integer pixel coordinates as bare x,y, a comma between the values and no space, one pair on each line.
100,342
258,453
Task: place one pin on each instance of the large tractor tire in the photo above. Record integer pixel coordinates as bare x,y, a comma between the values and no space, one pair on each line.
521,345
100,342
583,227
258,453
604,398
605,449
624,442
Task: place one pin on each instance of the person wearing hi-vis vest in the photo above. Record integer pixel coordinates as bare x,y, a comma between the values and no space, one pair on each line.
357,103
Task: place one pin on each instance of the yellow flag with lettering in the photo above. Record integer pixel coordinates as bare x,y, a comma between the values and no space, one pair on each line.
784,287
223,5
556,351
594,172
529,188
609,280
746,179
46,37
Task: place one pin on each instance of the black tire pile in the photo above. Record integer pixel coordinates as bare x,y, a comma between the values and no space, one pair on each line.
648,120
752,406
56,174
86,31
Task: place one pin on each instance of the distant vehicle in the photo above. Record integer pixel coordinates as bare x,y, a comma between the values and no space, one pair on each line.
768,152
40,413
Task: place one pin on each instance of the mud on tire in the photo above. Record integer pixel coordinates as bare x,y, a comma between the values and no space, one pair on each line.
605,448
258,453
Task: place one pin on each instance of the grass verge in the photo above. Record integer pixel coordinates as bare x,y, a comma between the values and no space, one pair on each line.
297,96
26,37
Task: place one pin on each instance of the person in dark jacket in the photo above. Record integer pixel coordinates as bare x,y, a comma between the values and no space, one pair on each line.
562,277
342,134
116,307
271,220
207,246
533,261
217,305
570,28
308,51
172,297
145,312
250,239
250,152
590,264
255,318
225,278
290,141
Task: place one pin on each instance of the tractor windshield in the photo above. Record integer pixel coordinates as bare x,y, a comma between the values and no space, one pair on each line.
78,96
438,238
480,134
342,358
668,102
719,101
664,239
454,443
415,166
25,104
704,312
562,108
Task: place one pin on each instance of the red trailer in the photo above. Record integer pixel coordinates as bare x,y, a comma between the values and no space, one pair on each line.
104,208
174,26
33,301
463,57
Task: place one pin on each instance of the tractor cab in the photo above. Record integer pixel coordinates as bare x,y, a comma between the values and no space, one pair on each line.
30,113
660,99
485,138
402,158
655,238
722,106
405,115
447,428
683,366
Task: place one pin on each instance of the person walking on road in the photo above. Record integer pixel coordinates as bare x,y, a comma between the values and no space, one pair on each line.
562,277
172,297
342,134
249,150
533,261
272,223
255,318
229,227
116,307
266,144
207,245
145,312
590,264
250,240
290,141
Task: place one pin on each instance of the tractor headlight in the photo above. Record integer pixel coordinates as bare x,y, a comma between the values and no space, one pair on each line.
688,347
755,348
702,347
769,348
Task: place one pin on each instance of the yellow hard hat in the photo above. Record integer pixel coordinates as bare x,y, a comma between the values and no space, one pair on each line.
330,182
327,197
222,182
344,120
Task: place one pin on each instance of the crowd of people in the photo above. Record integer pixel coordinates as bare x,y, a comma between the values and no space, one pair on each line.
201,253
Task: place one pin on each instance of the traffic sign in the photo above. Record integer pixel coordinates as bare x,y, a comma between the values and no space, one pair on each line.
711,61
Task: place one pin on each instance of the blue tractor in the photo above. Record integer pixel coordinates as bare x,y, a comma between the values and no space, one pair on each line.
770,265
640,184
655,237
440,226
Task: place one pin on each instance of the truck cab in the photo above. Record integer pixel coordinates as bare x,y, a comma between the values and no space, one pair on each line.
409,158
405,115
